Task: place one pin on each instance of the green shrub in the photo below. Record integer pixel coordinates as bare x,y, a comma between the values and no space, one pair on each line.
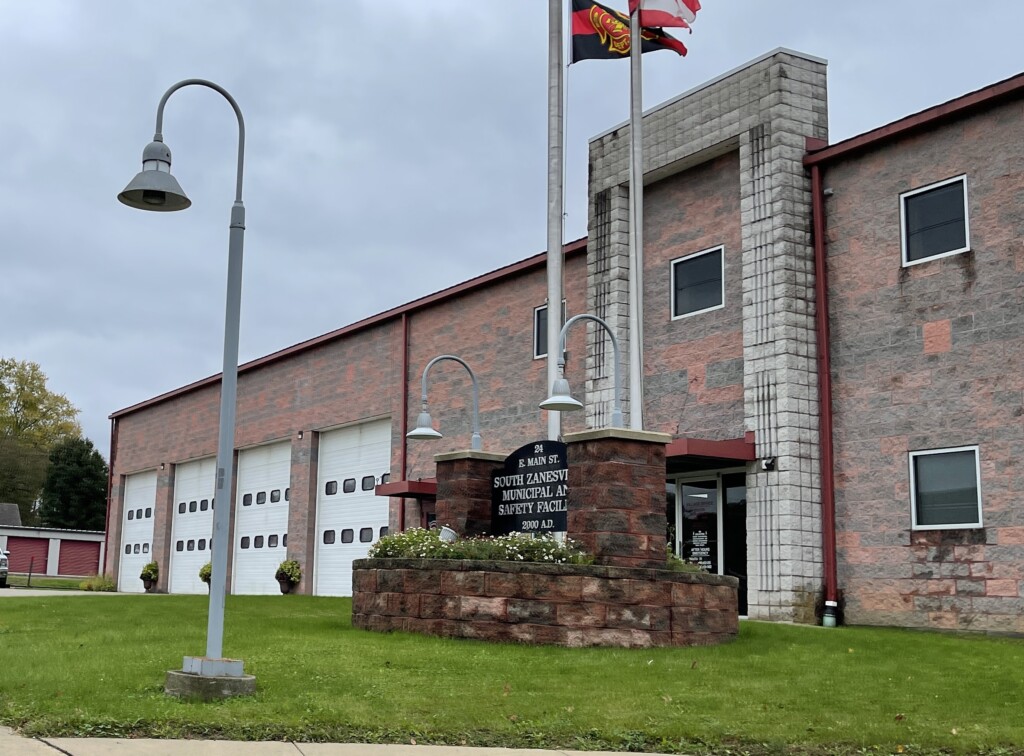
674,564
205,572
98,583
515,547
150,572
289,570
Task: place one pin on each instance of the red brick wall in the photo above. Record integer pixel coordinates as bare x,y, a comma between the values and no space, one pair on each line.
693,366
358,377
929,357
566,605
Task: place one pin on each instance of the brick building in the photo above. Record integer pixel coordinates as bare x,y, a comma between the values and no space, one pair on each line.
897,501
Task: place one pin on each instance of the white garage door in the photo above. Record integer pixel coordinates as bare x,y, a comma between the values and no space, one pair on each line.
261,517
192,527
136,529
349,517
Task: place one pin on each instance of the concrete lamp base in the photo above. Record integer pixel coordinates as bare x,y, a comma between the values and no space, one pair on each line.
209,679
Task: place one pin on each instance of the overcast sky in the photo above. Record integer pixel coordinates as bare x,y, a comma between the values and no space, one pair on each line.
393,149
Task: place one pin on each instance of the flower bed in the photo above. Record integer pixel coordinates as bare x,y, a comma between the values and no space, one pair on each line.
544,603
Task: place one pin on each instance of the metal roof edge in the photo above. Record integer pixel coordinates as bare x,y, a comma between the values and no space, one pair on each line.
987,96
486,279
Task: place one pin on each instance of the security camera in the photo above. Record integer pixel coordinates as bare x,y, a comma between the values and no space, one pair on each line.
768,463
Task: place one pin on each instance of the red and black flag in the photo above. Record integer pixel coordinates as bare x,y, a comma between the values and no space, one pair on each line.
600,32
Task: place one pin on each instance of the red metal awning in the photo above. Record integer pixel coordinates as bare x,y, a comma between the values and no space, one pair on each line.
409,489
739,449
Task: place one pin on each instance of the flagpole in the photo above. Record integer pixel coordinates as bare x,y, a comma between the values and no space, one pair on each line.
555,203
636,234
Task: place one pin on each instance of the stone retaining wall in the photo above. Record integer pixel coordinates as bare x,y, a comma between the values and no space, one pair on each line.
559,604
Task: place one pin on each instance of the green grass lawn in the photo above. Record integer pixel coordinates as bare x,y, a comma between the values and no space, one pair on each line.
95,666
41,581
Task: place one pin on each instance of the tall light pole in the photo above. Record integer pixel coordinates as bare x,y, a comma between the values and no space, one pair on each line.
156,189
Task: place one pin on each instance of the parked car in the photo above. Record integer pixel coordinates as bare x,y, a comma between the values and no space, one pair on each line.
3,568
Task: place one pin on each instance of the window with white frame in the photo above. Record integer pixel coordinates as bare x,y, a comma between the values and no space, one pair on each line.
698,282
945,488
540,330
933,221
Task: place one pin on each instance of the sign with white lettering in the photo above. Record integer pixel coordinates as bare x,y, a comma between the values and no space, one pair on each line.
530,494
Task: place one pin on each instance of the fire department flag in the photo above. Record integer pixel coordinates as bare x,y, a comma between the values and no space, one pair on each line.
600,32
666,12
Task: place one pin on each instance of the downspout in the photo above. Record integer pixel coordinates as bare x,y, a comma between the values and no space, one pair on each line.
110,490
828,499
403,453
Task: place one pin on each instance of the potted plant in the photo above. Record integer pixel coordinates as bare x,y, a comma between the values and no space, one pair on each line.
149,575
205,572
288,574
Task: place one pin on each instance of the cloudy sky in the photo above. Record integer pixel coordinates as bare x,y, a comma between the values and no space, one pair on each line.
393,149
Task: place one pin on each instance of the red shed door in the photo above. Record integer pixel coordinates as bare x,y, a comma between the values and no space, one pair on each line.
79,558
26,552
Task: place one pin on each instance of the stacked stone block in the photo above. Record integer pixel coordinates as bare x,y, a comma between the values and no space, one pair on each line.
552,604
766,110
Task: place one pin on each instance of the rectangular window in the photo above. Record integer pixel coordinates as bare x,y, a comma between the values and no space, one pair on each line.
145,548
698,282
181,508
272,542
945,488
193,506
349,485
202,544
204,505
179,546
191,545
275,496
331,488
131,514
365,535
149,511
933,221
347,535
257,542
247,500
368,483
245,542
328,537
540,330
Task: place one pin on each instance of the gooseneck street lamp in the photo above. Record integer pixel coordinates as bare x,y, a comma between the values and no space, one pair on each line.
424,429
561,399
154,188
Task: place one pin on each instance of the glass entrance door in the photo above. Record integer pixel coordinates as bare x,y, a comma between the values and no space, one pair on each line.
710,525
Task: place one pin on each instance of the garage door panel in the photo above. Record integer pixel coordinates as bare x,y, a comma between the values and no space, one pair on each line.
80,558
192,527
350,517
28,554
136,529
261,517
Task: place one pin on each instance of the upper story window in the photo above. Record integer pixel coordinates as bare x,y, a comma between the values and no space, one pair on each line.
945,488
540,330
933,221
698,282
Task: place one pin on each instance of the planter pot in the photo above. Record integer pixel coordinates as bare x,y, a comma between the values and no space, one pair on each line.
286,585
147,584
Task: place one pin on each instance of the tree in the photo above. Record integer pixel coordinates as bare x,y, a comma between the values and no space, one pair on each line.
32,420
75,491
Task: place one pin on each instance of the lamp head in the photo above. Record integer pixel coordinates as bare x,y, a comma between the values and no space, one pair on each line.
561,398
424,430
154,188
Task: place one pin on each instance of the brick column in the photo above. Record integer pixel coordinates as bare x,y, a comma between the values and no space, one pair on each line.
302,506
464,490
617,495
163,516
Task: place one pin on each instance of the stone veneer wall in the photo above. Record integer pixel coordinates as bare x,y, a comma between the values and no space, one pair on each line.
559,604
765,110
